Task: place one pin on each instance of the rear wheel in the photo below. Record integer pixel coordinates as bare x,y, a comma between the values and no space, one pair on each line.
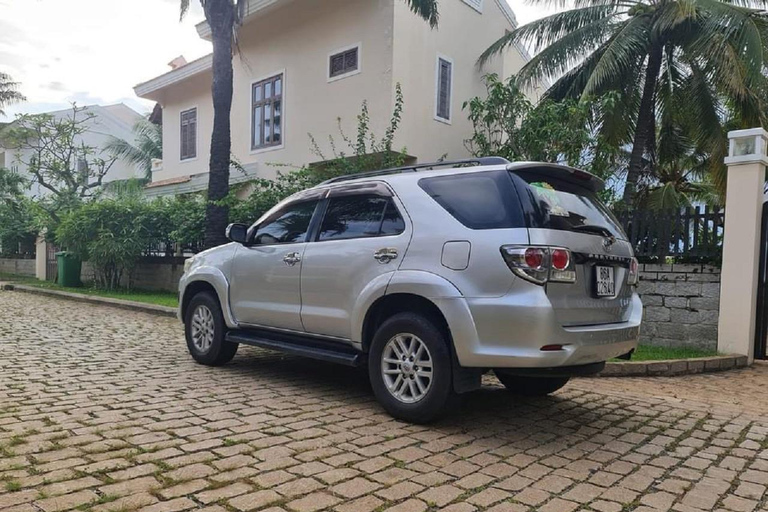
531,386
409,365
204,329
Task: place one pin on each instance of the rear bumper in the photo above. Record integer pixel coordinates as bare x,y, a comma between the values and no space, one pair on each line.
509,332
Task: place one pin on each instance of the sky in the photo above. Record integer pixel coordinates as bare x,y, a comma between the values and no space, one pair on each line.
95,51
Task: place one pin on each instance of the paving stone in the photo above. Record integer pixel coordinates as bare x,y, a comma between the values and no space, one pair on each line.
124,403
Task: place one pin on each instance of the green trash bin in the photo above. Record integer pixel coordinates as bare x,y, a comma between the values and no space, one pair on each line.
69,269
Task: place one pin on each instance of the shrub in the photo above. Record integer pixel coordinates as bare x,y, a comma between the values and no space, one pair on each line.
112,234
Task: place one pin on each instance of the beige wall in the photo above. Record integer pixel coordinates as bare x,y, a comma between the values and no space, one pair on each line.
463,34
298,46
396,47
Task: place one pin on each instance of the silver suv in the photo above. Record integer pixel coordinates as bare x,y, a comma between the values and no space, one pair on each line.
430,276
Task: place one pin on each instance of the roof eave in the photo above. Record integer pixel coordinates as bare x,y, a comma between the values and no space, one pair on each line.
145,89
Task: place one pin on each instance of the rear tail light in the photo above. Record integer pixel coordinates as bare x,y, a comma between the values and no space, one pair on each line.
634,272
539,264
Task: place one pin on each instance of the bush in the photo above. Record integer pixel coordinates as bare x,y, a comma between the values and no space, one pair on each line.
112,234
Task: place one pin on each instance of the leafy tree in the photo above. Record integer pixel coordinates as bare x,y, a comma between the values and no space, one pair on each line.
53,153
225,17
146,146
8,92
707,54
505,123
17,225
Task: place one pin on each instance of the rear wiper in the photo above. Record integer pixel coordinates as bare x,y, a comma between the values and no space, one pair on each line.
593,228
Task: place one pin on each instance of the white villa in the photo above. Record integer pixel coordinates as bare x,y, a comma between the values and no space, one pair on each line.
102,123
305,63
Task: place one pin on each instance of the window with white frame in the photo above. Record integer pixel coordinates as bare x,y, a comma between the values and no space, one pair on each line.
188,141
344,63
475,4
267,113
444,89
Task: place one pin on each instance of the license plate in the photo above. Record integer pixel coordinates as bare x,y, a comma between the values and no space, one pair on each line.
605,283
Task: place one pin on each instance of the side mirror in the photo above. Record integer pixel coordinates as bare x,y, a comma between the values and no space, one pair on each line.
237,233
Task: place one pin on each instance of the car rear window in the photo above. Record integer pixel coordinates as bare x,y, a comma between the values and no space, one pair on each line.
479,200
563,205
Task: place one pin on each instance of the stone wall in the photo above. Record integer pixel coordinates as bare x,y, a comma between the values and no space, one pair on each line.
17,267
681,305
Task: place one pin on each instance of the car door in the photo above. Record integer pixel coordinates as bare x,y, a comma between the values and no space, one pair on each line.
362,235
265,288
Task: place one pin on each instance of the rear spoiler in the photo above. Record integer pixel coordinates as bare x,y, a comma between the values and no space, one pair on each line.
571,174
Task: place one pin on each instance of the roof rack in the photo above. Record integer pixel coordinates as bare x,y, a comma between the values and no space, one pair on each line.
487,160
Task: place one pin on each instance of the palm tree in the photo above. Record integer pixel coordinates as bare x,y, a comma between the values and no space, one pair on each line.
224,18
707,55
8,92
146,146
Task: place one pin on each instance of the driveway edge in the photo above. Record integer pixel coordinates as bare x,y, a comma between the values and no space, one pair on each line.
152,309
673,367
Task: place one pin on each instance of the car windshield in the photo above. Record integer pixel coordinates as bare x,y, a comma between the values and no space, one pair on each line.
563,205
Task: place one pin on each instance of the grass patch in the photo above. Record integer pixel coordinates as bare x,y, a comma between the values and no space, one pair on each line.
169,299
651,353
12,486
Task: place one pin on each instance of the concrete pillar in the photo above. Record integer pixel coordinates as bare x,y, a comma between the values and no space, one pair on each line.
741,246
41,254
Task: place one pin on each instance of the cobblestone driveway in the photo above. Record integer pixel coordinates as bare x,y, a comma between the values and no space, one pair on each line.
102,409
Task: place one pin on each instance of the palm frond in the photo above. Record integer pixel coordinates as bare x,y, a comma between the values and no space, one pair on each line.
427,9
146,146
551,30
620,55
183,9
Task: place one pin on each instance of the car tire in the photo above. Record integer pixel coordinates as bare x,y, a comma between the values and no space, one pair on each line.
204,329
403,349
531,386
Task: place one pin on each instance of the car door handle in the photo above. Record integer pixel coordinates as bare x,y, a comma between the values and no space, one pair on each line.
292,258
385,255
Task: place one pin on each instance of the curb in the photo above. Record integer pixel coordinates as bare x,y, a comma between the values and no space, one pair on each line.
673,367
130,305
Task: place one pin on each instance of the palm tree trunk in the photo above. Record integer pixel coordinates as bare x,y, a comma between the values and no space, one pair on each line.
221,18
645,124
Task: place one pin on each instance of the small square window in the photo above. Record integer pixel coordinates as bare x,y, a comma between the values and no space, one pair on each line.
475,4
344,63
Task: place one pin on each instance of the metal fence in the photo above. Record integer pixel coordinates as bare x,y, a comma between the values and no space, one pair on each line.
170,249
689,235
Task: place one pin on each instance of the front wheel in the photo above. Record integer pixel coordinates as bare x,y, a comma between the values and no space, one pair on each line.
531,386
409,365
204,329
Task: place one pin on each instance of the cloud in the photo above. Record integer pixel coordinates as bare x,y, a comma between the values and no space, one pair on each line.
55,86
102,50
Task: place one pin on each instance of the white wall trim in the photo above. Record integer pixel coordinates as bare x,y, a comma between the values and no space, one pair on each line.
438,58
359,46
264,149
197,134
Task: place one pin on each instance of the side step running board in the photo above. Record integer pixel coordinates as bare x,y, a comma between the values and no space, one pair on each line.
332,352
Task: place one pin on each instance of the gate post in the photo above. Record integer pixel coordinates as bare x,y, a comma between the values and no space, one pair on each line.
746,163
41,257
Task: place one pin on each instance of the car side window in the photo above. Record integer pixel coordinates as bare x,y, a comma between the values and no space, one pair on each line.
362,216
286,226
